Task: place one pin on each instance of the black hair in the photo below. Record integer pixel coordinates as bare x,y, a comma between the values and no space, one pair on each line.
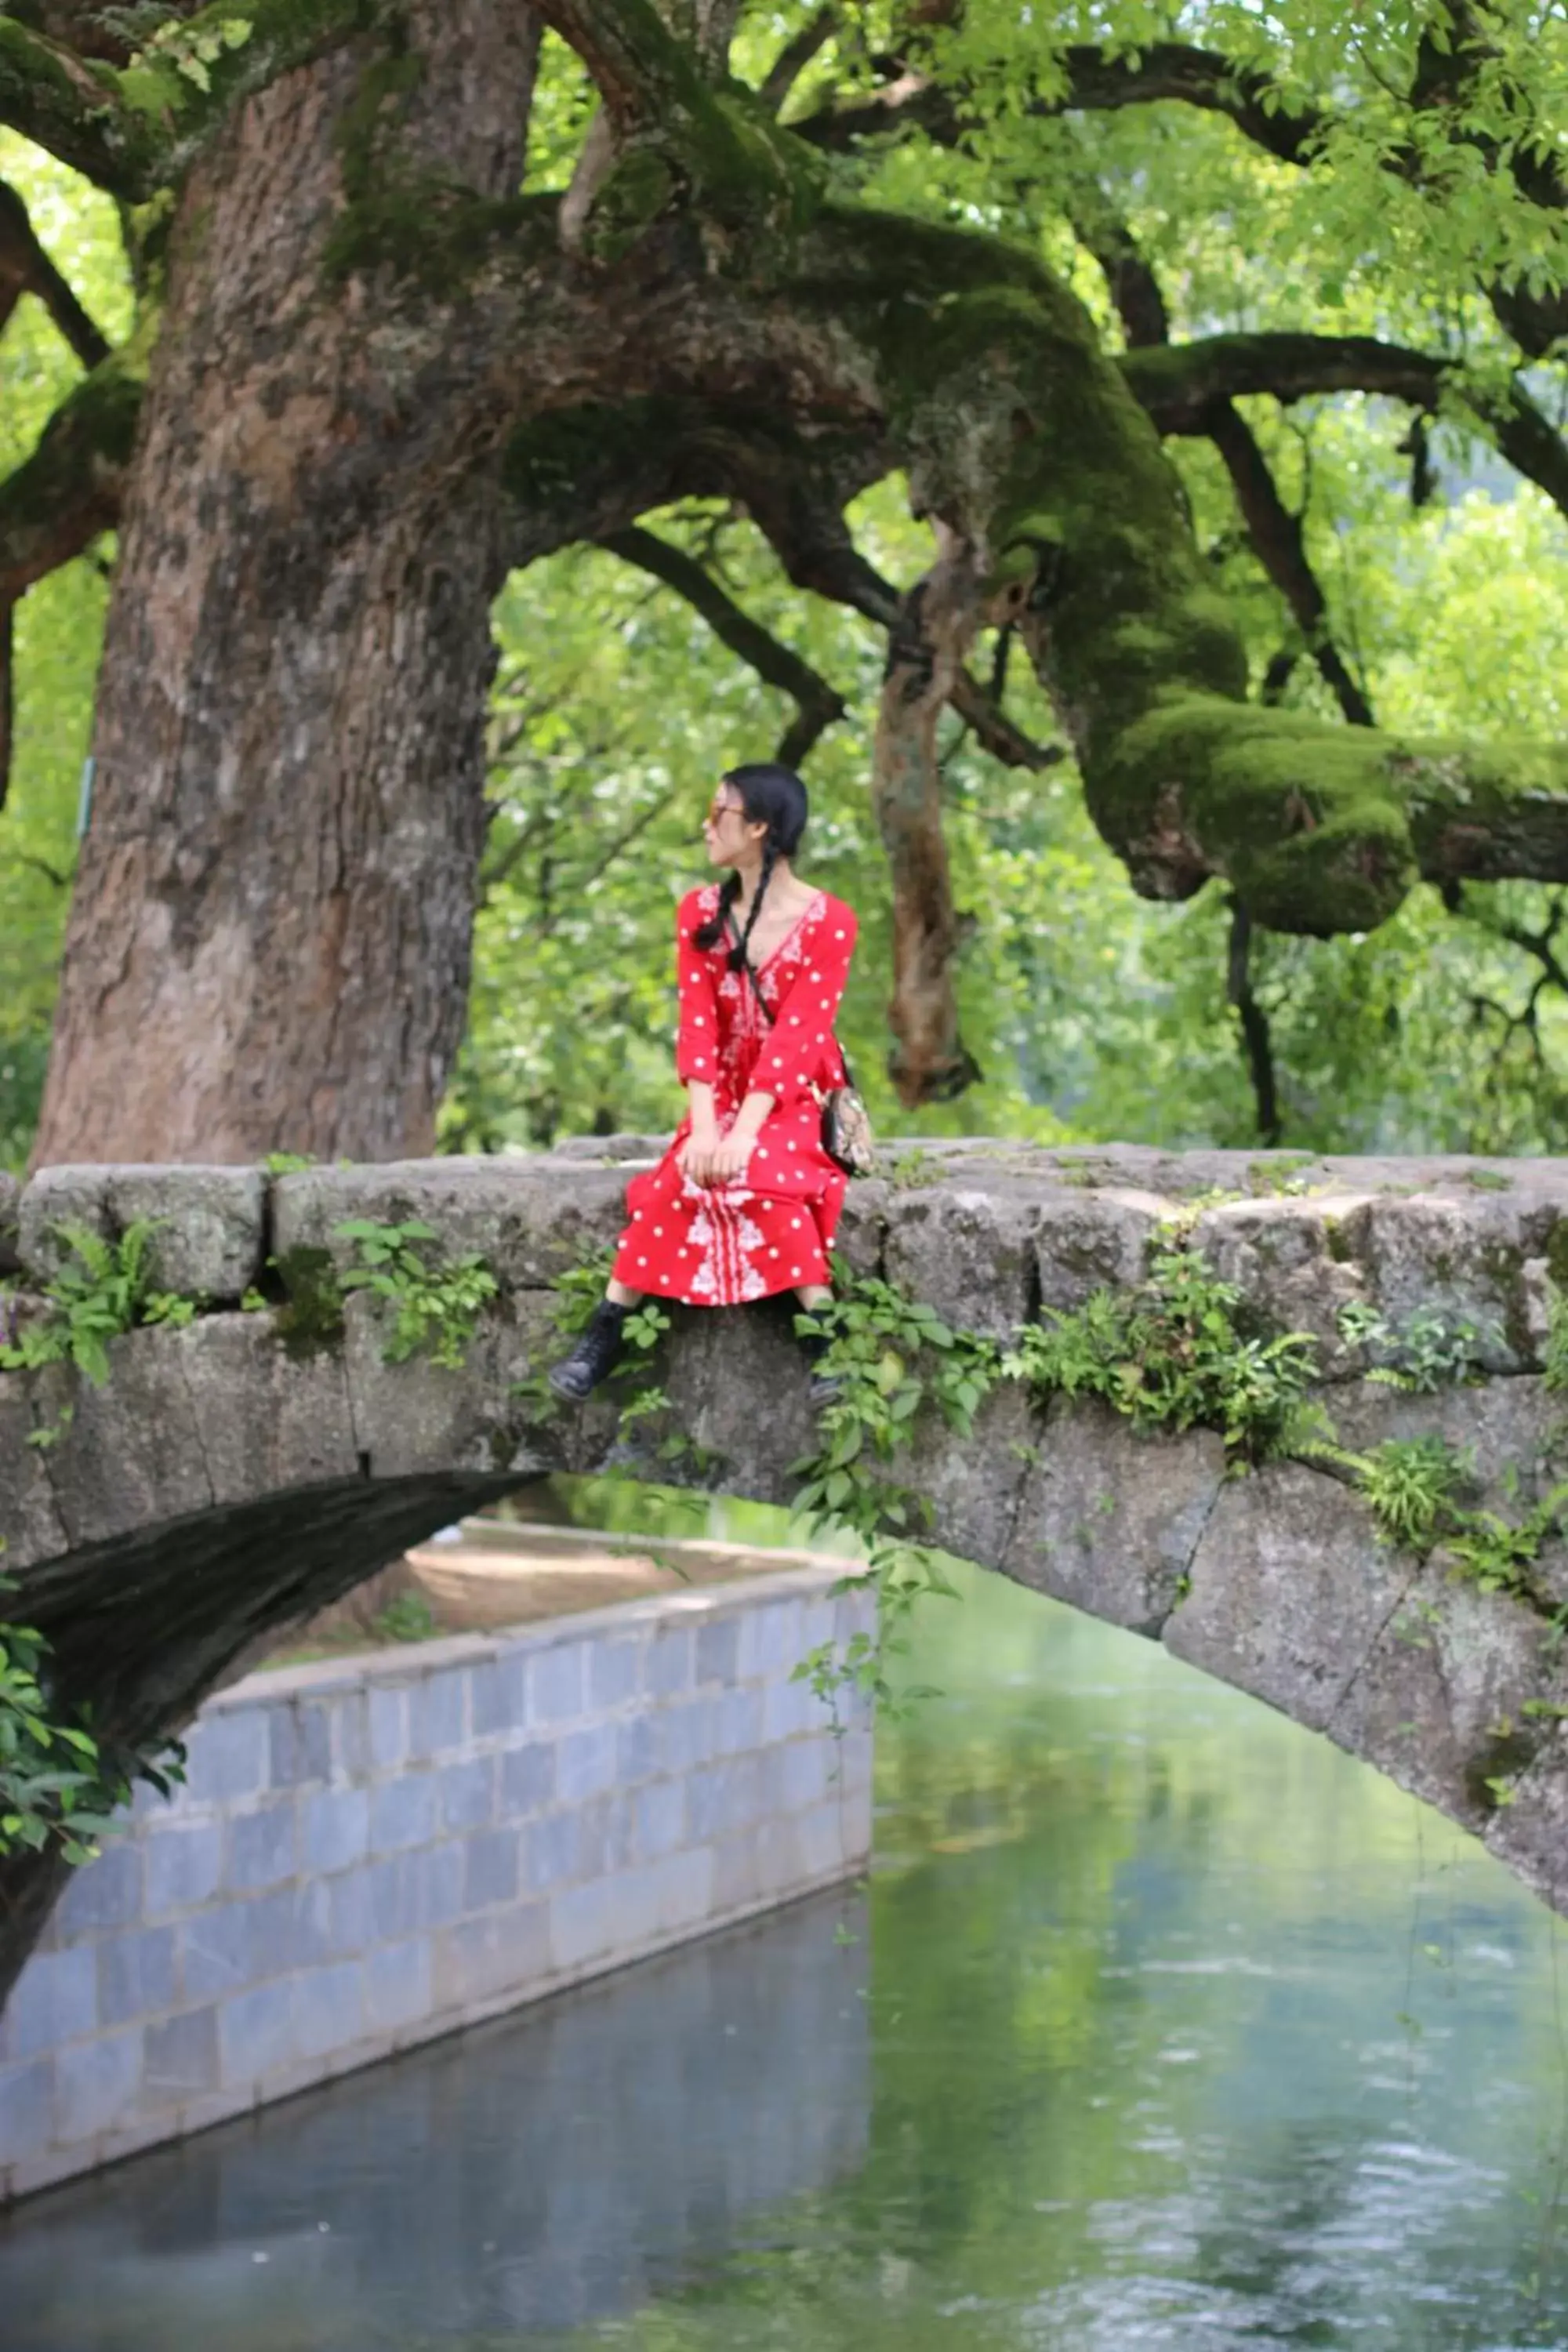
771,795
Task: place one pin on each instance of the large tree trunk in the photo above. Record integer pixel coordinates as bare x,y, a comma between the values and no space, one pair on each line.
269,940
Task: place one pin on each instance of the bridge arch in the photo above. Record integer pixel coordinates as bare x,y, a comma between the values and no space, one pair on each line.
234,1474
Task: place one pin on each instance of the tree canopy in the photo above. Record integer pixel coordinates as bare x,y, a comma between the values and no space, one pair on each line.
1126,439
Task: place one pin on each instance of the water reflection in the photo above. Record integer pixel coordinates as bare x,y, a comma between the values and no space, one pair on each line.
571,2162
1180,2029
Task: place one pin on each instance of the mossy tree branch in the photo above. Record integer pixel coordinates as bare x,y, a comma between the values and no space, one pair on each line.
27,269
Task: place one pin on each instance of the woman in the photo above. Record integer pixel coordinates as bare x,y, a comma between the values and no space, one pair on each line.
745,1201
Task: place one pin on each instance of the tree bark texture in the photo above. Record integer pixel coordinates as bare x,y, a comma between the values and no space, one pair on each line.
269,940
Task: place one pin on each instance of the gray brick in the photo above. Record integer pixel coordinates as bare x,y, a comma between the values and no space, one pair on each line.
802,1774
403,1812
688,1734
299,1743
329,2009
386,1717
26,2110
667,1661
685,1890
640,1749
527,1779
772,1638
348,1927
349,1720
659,1819
718,1650
467,1793
722,1798
788,1709
107,1893
335,1830
557,1683
739,1717
180,2057
255,2033
244,1942
552,1853
228,1754
409,1893
489,1868
591,1923
505,1952
185,1865
823,1834
54,1999
614,1672
263,1846
135,1974
96,2084
397,1985
498,1694
439,1712
585,1763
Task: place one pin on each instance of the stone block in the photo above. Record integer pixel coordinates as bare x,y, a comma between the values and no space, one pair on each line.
263,1846
1466,1259
506,1951
552,1854
1290,1590
489,1868
1282,1254
244,1942
228,1754
527,1779
722,1798
1087,1241
98,2085
131,1455
585,1763
256,2034
181,2057
738,1718
614,1672
398,1990
329,2009
405,1811
606,1918
10,1202
825,1845
688,1735
739,1873
299,1743
531,1222
347,1928
438,1713
31,1526
335,1830
136,1975
968,1251
184,1866
423,1417
1109,1520
411,1893
467,1793
208,1240
26,2110
267,1419
386,1720
659,1817
684,1890
668,1661
640,1749
104,1893
57,1197
499,1693
772,1638
54,2000
790,1708
718,1650
799,1774
557,1683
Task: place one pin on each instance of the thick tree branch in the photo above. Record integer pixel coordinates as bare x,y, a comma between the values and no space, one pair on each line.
796,55
1257,1039
1178,386
25,268
817,704
133,130
58,499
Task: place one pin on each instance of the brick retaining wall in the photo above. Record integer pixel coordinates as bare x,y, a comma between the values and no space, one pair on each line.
373,1852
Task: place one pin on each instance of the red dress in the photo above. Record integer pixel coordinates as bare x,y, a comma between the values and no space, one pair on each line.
771,1228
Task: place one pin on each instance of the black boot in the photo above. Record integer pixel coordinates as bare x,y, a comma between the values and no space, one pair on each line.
578,1374
825,1388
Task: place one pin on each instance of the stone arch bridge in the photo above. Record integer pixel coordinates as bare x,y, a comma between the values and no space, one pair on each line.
238,1472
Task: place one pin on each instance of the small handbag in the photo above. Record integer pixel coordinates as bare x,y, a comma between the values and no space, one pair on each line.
847,1136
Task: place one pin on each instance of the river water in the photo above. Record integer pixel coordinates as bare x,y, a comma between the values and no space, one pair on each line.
1161,2024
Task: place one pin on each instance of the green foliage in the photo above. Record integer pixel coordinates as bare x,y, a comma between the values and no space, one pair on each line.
433,1307
1171,1355
107,1290
1411,1485
59,1785
1432,1350
408,1618
312,1313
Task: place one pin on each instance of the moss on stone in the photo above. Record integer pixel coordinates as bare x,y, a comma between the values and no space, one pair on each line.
311,1314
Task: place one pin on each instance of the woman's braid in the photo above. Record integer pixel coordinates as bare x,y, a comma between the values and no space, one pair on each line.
738,952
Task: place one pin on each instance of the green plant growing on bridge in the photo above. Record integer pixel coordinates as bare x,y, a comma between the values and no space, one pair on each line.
106,1291
1173,1355
1432,1350
434,1308
57,1784
1412,1485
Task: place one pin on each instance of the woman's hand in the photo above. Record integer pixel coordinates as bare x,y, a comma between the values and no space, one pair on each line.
728,1157
695,1153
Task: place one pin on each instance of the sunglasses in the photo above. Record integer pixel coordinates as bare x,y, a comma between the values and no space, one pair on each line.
718,810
